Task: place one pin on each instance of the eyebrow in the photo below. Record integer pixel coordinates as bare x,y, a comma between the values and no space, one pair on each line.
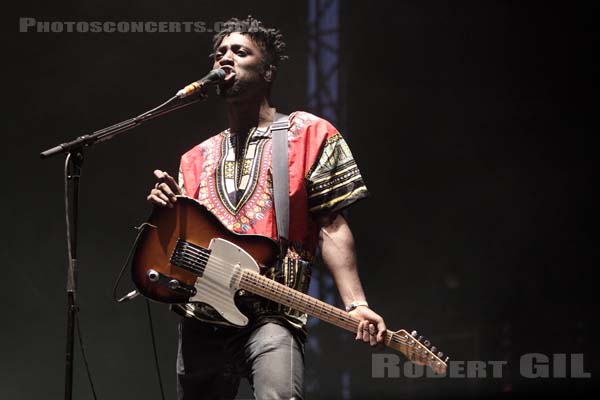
234,47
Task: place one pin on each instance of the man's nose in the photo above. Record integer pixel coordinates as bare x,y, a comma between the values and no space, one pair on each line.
227,58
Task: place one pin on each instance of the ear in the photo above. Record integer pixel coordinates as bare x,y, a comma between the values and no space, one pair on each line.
269,73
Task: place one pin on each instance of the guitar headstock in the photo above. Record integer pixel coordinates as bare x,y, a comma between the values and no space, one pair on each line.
419,350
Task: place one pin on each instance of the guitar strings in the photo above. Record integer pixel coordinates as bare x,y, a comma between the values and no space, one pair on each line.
215,289
197,254
395,338
276,291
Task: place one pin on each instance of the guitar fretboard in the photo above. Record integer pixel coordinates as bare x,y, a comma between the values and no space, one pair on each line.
269,289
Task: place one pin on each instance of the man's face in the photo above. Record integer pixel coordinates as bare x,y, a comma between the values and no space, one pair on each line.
242,61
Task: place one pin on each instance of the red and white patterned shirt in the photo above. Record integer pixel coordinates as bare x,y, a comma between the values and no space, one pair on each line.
234,181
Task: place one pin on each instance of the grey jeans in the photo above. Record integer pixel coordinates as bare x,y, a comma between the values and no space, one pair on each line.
212,359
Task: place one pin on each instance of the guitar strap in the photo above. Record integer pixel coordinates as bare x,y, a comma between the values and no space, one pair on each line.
281,179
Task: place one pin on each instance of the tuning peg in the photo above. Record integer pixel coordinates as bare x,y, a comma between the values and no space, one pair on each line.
440,354
427,343
446,360
433,349
413,334
420,338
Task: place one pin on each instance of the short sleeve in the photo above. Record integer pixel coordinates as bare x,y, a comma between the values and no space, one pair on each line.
334,181
180,182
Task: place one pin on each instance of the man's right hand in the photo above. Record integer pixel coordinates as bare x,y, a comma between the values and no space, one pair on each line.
165,190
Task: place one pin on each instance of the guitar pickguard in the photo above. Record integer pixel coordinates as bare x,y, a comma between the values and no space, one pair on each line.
220,280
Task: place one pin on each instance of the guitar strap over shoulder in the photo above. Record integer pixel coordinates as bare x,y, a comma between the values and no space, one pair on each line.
281,179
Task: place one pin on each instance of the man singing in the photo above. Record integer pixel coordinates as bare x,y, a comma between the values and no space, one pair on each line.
231,175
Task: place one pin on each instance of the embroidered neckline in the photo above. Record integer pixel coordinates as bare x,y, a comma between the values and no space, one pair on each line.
253,131
237,178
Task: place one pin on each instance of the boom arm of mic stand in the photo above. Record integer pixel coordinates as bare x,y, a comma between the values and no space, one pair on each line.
73,163
113,130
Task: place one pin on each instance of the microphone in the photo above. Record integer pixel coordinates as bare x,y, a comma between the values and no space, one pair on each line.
214,76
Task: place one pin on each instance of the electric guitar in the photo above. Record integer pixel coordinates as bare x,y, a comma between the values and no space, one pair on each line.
185,255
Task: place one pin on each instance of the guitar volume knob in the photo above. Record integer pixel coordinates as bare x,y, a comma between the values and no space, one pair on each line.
153,275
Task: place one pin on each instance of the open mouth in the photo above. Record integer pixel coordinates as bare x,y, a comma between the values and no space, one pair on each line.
229,72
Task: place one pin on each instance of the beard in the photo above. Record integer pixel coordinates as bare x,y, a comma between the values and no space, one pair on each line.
234,89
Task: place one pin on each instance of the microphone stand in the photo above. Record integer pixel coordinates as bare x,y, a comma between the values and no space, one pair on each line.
73,166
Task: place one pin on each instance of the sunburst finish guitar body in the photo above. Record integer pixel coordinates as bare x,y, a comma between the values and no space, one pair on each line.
185,255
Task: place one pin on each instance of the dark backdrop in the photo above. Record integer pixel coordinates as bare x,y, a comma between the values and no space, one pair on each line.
471,123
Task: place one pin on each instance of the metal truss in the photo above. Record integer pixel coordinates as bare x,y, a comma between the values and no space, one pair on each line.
324,100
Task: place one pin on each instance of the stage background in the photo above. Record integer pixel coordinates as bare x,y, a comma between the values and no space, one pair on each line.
471,122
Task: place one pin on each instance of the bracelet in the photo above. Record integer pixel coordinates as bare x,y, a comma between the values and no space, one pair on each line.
352,306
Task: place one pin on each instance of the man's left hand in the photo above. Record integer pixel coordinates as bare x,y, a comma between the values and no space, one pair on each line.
371,328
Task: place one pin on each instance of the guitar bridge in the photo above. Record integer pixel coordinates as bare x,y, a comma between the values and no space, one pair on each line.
190,257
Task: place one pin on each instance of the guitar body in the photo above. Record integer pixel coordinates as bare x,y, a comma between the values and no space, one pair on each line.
184,254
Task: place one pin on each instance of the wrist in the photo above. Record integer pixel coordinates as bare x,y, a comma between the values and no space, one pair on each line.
359,303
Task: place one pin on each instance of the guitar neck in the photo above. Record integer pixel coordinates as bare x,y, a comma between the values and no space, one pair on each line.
299,301
401,341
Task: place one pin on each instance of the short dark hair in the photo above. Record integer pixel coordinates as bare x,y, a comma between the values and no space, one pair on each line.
269,40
